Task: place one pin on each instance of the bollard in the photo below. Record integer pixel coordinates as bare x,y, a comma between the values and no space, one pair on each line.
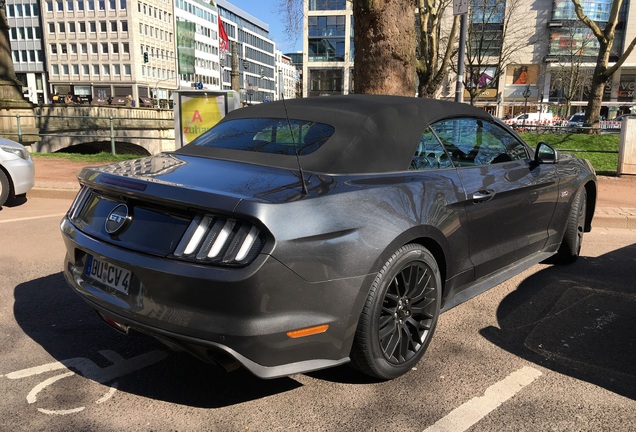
112,136
627,147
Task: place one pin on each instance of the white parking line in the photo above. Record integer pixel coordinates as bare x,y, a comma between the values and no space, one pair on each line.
32,218
468,414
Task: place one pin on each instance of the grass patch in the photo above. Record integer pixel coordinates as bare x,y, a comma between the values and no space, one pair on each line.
97,158
600,150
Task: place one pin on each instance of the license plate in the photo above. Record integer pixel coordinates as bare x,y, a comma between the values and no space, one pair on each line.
108,274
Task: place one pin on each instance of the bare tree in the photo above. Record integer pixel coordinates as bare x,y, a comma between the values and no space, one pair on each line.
497,32
602,71
435,49
568,78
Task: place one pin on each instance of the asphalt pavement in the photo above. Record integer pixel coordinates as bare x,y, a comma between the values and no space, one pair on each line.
615,206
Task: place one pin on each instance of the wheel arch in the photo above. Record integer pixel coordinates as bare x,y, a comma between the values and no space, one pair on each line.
591,190
10,180
430,238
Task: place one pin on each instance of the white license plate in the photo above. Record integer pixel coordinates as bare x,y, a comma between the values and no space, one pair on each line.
108,274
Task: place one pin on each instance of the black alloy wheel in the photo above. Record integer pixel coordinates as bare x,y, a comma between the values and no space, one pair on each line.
400,314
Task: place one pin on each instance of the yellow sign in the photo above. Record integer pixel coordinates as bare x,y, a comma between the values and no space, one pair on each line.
199,113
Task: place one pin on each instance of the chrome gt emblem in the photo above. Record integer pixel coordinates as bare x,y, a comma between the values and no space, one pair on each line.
117,219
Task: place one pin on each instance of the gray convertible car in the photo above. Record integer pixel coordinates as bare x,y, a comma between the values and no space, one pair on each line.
305,234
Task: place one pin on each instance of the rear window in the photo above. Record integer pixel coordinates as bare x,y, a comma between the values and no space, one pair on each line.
266,135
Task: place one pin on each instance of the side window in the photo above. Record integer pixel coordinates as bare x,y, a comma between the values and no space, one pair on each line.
430,153
471,141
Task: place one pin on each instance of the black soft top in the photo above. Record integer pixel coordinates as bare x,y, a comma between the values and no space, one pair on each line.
373,133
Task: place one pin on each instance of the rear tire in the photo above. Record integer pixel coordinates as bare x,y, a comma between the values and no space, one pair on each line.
4,188
400,314
570,248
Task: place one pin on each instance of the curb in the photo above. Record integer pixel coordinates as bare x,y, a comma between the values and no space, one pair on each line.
604,217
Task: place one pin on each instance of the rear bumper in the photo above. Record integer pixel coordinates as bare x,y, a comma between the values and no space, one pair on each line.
245,313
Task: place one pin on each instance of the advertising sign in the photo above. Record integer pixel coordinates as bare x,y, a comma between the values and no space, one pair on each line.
198,111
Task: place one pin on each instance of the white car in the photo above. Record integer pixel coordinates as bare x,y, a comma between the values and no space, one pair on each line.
17,173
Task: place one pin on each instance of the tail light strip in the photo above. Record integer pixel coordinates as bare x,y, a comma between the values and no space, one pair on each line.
219,240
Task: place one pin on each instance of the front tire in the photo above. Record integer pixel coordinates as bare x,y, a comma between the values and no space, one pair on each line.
570,248
400,314
4,188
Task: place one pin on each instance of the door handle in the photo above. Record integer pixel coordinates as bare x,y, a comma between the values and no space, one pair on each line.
483,196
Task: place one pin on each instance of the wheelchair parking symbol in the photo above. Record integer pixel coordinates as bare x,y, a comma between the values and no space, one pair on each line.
87,369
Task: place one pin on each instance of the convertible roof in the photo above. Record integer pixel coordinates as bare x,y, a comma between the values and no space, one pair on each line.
373,133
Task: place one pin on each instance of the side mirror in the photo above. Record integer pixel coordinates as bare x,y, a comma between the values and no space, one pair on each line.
545,154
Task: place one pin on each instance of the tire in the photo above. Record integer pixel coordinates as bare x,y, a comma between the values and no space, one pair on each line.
400,314
570,248
4,188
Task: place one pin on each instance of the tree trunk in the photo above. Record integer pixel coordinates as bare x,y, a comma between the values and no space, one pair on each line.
599,79
384,39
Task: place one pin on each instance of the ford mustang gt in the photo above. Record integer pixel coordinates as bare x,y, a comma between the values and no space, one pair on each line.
303,234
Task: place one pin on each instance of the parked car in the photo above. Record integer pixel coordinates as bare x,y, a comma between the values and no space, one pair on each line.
17,173
577,120
530,119
303,234
624,116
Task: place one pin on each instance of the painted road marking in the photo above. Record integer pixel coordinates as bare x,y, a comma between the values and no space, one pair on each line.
59,215
468,414
88,369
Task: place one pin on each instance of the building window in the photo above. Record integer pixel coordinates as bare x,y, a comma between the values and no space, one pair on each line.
116,70
49,6
69,5
92,27
63,49
114,48
96,69
325,81
102,27
106,69
61,28
80,5
53,49
55,69
124,26
65,69
327,5
112,4
94,48
76,70
102,4
326,50
85,69
71,27
83,48
127,70
91,5
104,47
60,6
122,4
51,27
82,27
113,26
125,48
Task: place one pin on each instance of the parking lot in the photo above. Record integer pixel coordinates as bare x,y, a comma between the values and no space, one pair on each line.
551,349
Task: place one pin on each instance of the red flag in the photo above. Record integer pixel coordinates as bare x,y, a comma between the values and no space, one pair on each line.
224,42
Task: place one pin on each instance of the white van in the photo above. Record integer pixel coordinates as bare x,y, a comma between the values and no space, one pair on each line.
531,119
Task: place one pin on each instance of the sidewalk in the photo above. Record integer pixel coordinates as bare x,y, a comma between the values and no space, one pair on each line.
615,205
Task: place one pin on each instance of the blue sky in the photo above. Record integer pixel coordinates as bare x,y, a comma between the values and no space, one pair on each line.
266,11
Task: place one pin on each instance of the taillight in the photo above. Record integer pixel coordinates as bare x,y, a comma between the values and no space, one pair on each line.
220,240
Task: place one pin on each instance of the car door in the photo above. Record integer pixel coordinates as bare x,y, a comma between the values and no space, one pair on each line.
509,200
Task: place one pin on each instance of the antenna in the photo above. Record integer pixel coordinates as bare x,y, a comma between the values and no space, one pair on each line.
291,133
